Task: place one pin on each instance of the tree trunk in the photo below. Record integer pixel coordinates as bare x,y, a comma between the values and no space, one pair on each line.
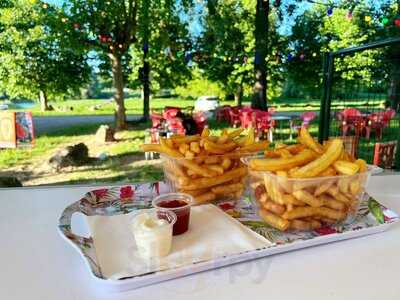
43,101
118,83
394,87
238,95
146,90
260,66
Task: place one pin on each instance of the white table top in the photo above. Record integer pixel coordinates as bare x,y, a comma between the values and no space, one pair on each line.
36,263
280,117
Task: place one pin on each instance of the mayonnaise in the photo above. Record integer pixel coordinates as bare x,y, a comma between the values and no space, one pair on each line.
153,236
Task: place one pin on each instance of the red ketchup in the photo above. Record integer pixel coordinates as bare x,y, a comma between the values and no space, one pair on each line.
182,211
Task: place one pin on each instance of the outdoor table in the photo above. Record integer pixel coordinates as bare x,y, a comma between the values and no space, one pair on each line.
37,264
283,118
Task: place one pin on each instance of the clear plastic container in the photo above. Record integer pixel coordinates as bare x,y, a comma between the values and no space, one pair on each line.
152,230
313,202
215,177
178,203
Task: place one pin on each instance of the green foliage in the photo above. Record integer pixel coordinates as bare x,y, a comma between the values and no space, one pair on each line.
166,34
315,33
198,86
228,47
34,56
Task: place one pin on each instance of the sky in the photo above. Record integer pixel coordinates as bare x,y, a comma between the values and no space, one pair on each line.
195,26
198,11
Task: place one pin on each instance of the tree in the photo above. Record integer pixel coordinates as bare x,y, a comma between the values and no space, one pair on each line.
159,56
229,51
35,58
225,47
315,32
261,50
108,27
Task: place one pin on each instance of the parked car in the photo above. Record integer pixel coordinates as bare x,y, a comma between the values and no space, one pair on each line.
206,103
3,106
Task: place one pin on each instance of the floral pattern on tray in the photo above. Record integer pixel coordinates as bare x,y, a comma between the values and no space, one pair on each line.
370,213
121,200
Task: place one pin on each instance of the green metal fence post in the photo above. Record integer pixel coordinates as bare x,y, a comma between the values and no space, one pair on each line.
325,108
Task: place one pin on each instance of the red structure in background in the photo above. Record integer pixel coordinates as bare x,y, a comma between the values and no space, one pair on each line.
16,129
363,124
173,120
385,154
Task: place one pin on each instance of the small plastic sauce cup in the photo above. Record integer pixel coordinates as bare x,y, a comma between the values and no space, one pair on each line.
180,204
152,230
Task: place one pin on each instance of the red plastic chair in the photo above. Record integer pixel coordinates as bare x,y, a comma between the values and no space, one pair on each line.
175,126
156,119
170,112
388,115
306,118
351,112
234,116
247,118
222,113
351,118
264,124
377,122
201,121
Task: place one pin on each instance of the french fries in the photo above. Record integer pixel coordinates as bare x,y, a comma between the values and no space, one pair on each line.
318,165
307,140
274,220
275,164
346,167
207,166
307,184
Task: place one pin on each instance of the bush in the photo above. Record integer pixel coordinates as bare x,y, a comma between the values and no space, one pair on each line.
199,86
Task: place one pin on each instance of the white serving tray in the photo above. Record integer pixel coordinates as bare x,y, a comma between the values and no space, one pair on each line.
124,199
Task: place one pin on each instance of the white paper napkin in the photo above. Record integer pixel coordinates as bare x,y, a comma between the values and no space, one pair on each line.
212,234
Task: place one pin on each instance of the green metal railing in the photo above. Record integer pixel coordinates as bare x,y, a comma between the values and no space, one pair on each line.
336,90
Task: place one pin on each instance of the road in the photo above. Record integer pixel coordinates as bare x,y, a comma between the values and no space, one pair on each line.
53,123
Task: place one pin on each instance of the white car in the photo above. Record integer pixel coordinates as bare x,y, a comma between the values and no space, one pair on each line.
3,106
206,103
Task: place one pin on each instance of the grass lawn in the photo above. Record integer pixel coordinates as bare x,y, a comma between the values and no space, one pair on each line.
124,161
134,106
30,164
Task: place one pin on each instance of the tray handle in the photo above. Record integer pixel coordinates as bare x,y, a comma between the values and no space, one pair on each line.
64,225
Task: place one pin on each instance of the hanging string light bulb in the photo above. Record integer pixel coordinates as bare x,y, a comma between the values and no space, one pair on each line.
290,57
302,56
329,12
257,58
368,19
314,54
349,15
397,22
45,6
145,48
385,21
188,57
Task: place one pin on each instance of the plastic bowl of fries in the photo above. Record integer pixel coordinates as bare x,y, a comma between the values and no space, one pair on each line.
227,183
308,185
207,167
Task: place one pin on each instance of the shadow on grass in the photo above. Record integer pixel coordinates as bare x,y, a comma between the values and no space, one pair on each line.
137,175
85,129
